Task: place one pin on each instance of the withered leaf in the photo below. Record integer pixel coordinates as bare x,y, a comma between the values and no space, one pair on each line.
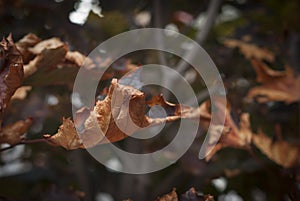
66,136
14,133
231,135
172,196
110,118
281,152
193,195
48,54
106,119
250,50
275,85
11,71
21,93
24,44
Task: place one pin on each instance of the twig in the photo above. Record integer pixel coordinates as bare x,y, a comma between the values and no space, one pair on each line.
158,24
34,141
201,36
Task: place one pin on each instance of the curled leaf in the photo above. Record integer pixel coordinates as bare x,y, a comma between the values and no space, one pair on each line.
14,133
49,53
66,136
119,115
25,43
11,71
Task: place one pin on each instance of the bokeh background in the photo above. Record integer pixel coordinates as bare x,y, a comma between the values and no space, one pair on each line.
43,172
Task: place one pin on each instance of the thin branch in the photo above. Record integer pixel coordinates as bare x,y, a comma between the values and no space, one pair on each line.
34,141
201,36
158,23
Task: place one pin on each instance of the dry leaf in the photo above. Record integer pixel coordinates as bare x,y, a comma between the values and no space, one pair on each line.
11,72
281,152
66,136
192,195
249,50
231,135
49,53
24,44
276,85
21,93
14,133
76,58
172,196
111,114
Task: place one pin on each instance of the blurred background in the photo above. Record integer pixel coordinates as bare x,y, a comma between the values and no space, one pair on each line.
43,172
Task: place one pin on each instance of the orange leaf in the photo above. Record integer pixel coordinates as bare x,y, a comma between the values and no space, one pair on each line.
112,113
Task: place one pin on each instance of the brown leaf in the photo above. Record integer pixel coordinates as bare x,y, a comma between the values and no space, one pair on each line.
275,85
49,53
66,136
172,196
11,72
14,133
192,195
75,57
249,50
231,135
24,44
110,118
21,93
281,152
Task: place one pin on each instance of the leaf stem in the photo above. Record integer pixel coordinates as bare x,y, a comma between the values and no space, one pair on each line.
33,141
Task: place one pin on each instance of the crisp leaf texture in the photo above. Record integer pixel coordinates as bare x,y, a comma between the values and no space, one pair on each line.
14,133
275,85
109,118
250,50
11,72
281,152
66,136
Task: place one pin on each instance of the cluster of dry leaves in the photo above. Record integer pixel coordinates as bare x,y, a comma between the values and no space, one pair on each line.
190,195
50,60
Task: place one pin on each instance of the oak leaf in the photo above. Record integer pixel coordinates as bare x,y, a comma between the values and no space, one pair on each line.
275,85
14,133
